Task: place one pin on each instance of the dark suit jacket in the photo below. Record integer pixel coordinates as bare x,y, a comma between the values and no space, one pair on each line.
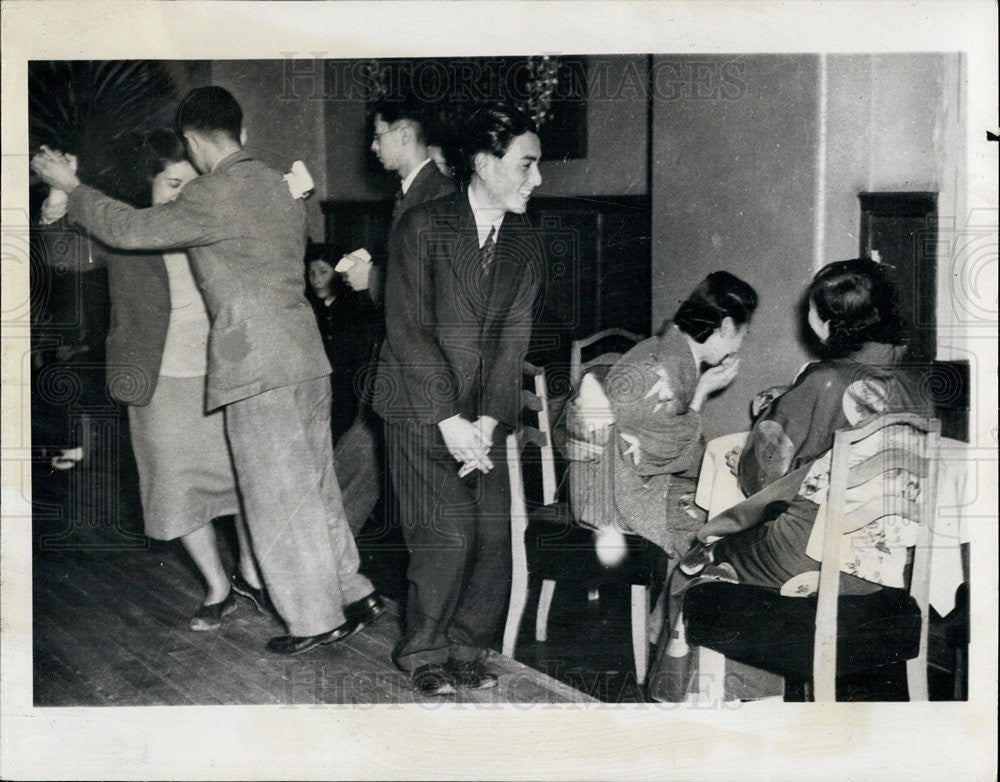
456,337
245,235
428,184
139,294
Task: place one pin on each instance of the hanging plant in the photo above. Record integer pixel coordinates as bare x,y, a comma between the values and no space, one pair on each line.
542,85
97,110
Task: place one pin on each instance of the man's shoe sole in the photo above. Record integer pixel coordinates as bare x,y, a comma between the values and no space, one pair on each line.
319,640
485,683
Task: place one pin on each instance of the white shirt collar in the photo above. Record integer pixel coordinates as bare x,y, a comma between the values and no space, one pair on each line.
483,225
405,184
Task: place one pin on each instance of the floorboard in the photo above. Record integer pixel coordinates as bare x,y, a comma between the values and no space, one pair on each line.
111,629
111,612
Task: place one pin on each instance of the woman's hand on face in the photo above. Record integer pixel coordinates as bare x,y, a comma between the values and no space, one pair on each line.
714,379
718,377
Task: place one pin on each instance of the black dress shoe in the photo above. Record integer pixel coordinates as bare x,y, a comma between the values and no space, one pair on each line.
209,616
470,674
365,611
256,595
358,614
432,680
296,644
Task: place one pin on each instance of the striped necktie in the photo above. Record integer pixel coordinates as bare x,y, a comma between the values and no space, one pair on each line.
488,250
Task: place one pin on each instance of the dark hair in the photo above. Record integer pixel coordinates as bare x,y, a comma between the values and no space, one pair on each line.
409,109
319,259
719,296
209,110
491,129
860,302
159,149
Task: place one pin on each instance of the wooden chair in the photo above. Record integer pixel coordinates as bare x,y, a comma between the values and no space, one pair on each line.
820,637
577,366
565,550
538,402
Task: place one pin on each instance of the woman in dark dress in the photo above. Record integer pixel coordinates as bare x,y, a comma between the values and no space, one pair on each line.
347,322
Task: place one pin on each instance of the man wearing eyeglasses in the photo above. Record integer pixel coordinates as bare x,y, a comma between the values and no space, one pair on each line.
399,141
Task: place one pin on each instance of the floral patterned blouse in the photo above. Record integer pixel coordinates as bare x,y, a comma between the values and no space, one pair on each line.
798,428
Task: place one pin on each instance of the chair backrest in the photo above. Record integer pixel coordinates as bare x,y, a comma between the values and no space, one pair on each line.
538,401
591,484
614,337
884,470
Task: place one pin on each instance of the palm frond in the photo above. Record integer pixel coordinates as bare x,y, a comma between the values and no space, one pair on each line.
96,109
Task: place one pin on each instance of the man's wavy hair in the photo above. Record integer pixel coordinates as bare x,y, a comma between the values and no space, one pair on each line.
719,296
491,129
860,302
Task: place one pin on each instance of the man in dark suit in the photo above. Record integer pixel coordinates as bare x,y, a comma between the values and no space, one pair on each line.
245,235
463,275
400,143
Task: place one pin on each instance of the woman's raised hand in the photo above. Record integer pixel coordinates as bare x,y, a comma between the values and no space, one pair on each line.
55,169
715,379
718,377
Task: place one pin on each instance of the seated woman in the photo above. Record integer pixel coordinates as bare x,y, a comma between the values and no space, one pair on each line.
853,312
655,392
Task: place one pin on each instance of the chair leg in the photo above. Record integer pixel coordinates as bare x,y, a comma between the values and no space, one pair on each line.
544,604
640,644
711,682
518,599
916,678
86,440
958,686
519,557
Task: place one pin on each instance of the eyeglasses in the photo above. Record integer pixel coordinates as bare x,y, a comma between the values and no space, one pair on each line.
377,137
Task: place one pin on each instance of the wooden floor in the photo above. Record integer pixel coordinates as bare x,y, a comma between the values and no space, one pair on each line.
110,628
111,611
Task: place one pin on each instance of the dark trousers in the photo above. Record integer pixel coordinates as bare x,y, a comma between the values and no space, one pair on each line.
358,459
774,551
458,535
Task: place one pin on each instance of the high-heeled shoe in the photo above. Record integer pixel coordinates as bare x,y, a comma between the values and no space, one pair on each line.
209,616
698,557
256,595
